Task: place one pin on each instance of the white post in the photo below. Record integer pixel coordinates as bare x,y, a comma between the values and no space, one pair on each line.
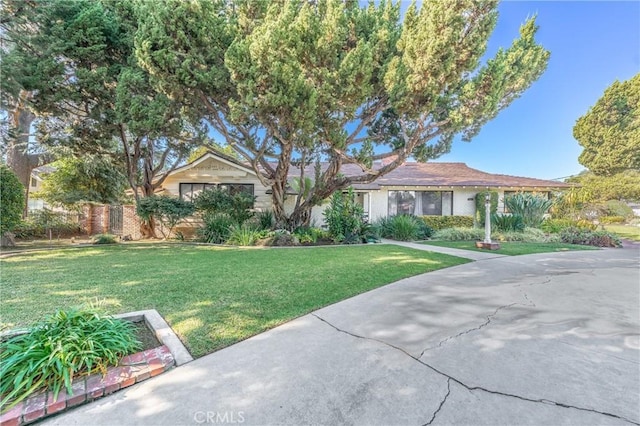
487,218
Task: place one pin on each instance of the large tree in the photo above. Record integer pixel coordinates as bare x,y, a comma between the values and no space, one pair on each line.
21,150
95,100
609,132
290,82
78,180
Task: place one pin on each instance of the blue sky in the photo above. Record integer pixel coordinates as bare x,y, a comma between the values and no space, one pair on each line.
592,44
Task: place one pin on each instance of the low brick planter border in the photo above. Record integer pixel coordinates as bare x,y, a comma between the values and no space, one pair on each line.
132,369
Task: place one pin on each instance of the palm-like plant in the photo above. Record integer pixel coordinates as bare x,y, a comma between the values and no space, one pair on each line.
531,207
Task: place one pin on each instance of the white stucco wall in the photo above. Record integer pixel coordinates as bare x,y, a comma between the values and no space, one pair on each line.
464,202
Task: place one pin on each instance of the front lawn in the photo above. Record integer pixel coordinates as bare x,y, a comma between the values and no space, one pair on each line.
625,231
211,296
512,248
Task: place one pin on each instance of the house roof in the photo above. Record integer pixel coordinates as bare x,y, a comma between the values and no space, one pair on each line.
442,174
411,174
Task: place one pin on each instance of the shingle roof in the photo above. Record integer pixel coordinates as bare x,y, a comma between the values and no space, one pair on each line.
442,174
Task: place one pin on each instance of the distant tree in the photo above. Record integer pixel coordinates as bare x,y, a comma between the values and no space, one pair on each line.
610,131
292,82
86,179
11,203
212,146
621,186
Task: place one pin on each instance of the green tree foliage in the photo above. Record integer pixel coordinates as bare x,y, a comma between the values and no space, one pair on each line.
212,146
238,206
78,63
11,200
621,186
610,132
170,211
345,218
592,194
22,151
85,179
292,82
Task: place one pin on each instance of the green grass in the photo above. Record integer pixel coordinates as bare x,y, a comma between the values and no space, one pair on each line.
211,296
512,248
625,231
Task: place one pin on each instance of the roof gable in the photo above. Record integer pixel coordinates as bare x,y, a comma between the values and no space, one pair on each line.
211,162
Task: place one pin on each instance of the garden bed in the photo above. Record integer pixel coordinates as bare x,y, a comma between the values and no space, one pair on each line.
161,350
132,369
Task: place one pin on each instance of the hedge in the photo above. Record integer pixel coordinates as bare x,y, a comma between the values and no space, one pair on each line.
442,222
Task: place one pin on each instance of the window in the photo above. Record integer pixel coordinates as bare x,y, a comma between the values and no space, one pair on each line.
236,188
421,203
189,191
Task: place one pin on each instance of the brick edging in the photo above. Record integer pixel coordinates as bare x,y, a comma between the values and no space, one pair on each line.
131,369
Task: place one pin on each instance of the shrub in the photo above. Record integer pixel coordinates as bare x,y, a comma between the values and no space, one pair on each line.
345,218
531,207
612,219
11,200
282,238
527,235
310,235
507,223
216,228
441,222
618,208
67,344
554,226
590,238
46,223
237,206
266,219
459,234
402,228
480,207
583,223
243,235
168,210
105,239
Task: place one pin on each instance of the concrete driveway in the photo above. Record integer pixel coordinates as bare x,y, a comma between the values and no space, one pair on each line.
543,339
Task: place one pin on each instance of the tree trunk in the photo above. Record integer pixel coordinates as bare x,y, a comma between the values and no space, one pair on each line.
18,158
277,203
8,240
301,216
148,229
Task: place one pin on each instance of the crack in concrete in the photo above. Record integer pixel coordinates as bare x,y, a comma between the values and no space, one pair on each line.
435,413
475,388
546,281
484,324
531,302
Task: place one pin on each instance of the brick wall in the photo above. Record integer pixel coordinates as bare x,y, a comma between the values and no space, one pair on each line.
130,222
96,221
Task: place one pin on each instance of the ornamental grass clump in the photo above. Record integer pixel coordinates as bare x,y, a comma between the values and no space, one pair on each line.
63,346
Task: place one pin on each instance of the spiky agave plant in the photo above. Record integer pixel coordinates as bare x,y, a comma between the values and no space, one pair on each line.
531,207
